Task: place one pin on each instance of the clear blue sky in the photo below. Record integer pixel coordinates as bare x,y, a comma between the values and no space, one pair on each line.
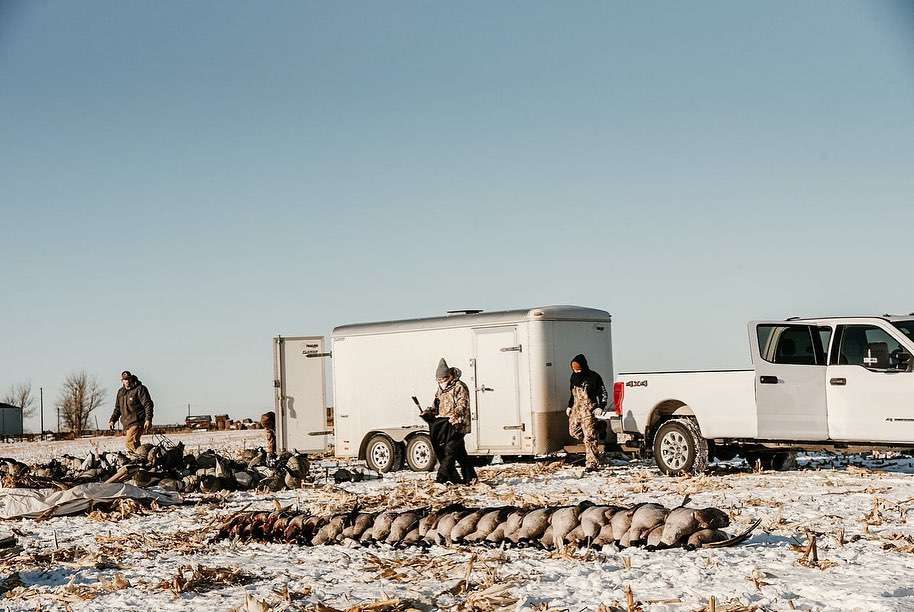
179,182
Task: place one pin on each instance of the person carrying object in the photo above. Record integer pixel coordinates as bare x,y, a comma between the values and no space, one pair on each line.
133,407
588,394
449,422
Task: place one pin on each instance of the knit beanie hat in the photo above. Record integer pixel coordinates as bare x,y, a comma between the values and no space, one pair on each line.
443,370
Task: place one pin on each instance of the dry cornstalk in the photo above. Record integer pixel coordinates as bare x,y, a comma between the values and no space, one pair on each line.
629,599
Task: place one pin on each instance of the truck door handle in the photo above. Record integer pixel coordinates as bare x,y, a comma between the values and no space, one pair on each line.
768,380
838,382
484,388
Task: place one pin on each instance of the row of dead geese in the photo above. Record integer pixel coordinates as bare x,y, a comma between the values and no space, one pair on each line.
585,524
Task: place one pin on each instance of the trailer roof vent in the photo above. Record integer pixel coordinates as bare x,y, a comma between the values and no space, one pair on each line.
468,311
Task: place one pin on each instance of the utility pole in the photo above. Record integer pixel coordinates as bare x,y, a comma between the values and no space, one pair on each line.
41,403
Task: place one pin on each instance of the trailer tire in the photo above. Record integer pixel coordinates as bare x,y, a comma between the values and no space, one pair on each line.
679,448
420,454
383,454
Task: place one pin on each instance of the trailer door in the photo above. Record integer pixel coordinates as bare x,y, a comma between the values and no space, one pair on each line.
497,424
301,414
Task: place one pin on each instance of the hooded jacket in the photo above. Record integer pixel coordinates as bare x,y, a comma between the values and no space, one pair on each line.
591,382
453,402
133,405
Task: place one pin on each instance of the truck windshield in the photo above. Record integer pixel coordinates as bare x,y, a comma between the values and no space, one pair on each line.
907,327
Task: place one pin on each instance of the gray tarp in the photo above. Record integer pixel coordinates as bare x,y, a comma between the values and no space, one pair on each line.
29,503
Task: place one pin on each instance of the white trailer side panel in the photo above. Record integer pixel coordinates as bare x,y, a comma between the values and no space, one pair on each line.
375,375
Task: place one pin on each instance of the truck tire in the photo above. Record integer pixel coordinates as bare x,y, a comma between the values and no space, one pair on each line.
420,454
383,454
679,448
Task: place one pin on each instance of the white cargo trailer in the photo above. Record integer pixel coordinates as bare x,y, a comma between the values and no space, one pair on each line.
514,362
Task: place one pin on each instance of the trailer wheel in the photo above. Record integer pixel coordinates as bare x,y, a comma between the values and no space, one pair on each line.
383,454
679,448
420,454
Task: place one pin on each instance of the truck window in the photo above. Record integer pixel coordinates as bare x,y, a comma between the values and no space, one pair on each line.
906,327
789,344
868,346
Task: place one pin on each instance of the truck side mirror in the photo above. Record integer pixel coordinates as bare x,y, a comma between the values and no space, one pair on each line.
901,360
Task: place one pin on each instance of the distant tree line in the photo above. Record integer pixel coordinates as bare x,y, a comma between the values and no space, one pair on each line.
80,394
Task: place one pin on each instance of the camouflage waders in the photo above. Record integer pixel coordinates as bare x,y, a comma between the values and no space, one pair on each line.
582,425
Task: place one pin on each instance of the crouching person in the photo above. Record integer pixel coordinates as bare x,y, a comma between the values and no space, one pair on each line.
133,406
588,394
450,424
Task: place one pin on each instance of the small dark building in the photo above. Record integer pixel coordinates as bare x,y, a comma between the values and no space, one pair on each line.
10,421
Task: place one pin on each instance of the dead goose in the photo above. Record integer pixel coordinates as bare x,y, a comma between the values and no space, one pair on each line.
466,525
705,536
655,538
621,522
683,522
533,526
564,521
546,540
381,528
488,522
446,524
293,528
496,536
644,520
362,522
329,532
403,524
411,539
594,519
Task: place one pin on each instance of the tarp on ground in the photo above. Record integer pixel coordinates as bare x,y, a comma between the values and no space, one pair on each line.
29,503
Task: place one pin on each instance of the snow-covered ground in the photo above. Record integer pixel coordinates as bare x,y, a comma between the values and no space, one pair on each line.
870,571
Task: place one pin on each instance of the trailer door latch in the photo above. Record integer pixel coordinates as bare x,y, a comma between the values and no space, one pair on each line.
520,427
509,349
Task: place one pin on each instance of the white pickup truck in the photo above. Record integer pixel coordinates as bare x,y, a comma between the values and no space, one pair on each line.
842,383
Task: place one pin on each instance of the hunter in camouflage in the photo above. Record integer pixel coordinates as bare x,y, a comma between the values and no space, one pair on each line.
588,394
450,424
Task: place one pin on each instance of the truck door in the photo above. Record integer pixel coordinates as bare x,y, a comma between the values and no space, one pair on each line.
870,386
497,420
301,416
790,369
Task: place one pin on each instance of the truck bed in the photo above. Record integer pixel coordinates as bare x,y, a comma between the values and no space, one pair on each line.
722,400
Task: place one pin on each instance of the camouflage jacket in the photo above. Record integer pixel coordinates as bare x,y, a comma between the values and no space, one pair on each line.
453,402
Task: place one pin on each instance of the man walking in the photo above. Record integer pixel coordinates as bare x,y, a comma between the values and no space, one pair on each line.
588,393
133,406
450,425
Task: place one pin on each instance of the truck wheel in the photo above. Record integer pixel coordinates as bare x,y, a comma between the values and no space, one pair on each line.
420,455
383,454
680,449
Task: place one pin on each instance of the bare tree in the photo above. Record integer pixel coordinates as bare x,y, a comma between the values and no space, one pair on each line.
79,396
21,395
